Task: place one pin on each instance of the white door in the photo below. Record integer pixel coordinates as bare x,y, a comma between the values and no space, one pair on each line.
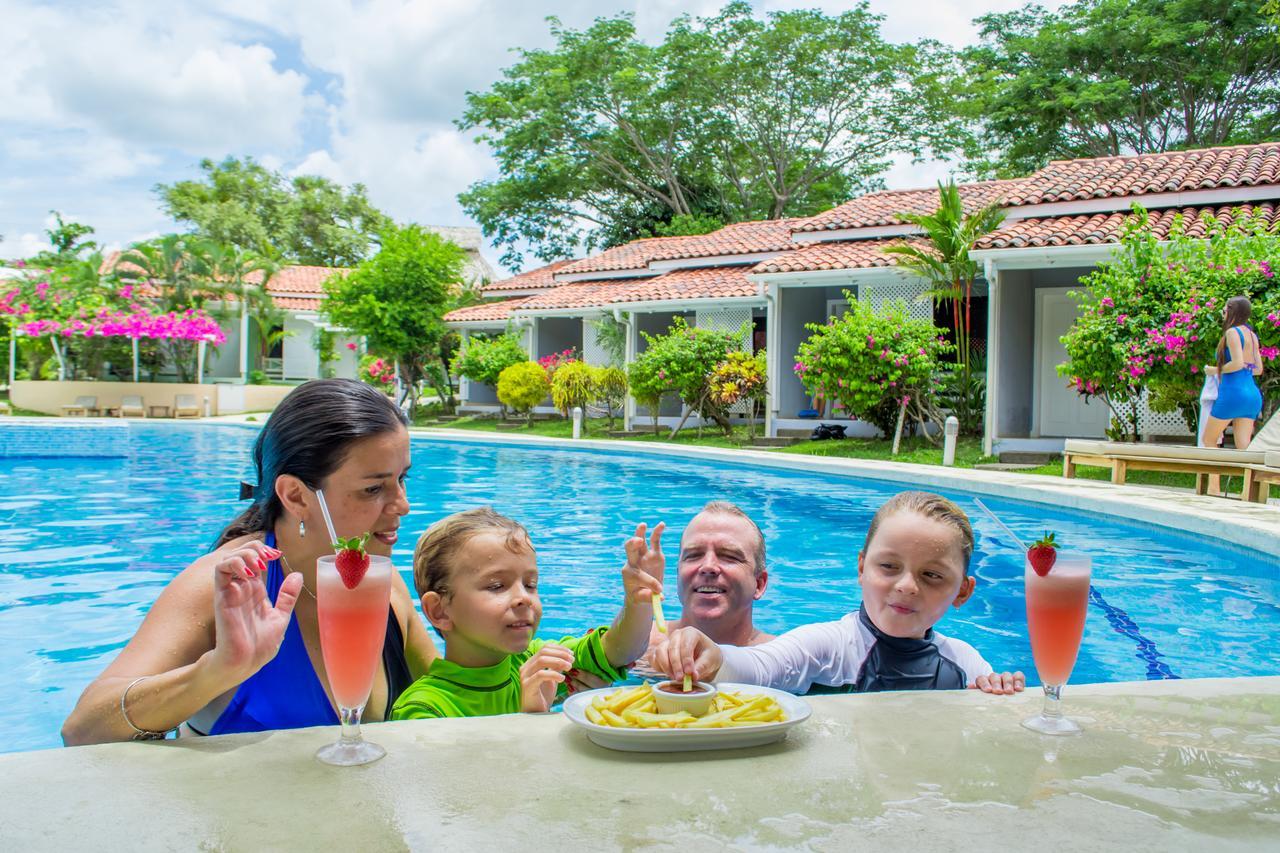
1061,411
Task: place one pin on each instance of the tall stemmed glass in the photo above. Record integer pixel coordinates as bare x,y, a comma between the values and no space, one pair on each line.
353,625
1057,603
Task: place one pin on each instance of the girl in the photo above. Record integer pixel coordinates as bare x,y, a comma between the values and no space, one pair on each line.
1239,401
913,567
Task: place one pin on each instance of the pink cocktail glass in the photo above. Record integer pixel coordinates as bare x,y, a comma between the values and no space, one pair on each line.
353,625
1057,603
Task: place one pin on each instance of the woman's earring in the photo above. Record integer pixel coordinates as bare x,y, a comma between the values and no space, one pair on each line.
302,528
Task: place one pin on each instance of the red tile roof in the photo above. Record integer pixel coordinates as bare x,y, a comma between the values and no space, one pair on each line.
538,279
298,279
1101,228
700,283
740,238
297,303
1142,174
843,255
886,208
484,311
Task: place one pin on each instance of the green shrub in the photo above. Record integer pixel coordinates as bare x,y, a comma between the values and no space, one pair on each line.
571,385
484,360
681,362
870,363
257,377
609,389
523,386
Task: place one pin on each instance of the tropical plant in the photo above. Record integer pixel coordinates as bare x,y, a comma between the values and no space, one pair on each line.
1151,318
682,362
379,372
571,385
648,384
551,363
523,386
611,335
484,359
609,389
397,299
741,377
872,364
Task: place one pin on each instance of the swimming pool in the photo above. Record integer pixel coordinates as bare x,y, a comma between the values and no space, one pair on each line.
87,544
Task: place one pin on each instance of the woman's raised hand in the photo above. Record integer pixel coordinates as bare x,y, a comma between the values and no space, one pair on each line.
249,629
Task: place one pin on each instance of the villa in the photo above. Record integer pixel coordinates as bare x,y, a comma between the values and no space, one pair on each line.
1060,224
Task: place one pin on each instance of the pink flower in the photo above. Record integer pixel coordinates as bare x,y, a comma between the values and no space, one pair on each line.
1269,353
1121,318
351,346
1107,302
386,378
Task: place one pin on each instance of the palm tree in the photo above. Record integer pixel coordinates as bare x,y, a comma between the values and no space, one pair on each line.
247,274
942,256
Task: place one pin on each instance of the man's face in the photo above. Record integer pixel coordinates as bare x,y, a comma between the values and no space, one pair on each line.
716,572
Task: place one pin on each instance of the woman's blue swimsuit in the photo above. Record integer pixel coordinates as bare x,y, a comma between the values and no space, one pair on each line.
1238,394
286,693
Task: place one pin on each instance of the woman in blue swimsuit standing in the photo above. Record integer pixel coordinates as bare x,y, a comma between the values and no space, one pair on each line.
233,642
1239,401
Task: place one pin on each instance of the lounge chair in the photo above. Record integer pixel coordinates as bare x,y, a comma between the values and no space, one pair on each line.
131,406
184,406
1258,479
83,406
1122,457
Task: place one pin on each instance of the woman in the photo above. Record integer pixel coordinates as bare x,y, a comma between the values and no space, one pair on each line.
233,642
1239,401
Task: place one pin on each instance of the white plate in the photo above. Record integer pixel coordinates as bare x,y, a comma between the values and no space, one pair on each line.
685,740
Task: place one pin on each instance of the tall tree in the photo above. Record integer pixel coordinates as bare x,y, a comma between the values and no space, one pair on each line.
397,300
68,241
731,117
1108,77
303,220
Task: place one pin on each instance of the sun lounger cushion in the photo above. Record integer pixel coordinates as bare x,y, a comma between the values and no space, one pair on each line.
1179,452
1271,459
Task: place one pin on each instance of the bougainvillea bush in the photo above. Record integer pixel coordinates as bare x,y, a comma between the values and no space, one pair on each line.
1151,319
379,372
869,363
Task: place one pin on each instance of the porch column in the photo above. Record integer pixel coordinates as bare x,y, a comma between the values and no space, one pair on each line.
532,345
200,362
989,425
773,358
244,335
464,384
13,356
629,357
134,341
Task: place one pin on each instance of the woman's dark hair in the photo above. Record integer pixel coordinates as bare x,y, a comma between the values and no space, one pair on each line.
1238,310
309,435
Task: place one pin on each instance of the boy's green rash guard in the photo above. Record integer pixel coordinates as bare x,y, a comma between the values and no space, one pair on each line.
450,690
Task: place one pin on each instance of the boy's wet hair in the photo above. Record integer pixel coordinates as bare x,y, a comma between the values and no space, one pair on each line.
931,506
433,558
727,508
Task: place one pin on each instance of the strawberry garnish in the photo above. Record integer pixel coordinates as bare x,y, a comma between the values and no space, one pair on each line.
1043,553
351,561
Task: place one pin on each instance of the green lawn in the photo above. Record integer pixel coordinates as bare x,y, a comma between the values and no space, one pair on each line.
912,450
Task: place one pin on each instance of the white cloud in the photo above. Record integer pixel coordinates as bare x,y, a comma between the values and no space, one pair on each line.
100,101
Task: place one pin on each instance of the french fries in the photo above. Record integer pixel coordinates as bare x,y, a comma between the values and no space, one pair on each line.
635,708
659,618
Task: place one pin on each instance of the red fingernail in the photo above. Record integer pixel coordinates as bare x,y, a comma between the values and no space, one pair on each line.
248,571
262,566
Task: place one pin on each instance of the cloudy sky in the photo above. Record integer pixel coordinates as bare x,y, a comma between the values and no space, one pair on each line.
100,101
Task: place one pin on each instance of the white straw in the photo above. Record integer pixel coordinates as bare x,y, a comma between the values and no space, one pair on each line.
984,508
328,520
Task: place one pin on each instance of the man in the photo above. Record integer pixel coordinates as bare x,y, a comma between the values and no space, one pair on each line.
720,575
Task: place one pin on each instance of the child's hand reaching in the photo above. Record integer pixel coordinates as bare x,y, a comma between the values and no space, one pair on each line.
1000,683
645,566
540,675
688,651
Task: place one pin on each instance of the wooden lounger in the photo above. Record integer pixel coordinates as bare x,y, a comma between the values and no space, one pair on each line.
1121,458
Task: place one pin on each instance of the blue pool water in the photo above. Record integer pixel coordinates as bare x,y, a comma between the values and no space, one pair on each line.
87,545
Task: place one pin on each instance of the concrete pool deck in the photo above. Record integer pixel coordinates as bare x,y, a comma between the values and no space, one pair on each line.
1236,523
1169,765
